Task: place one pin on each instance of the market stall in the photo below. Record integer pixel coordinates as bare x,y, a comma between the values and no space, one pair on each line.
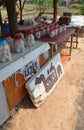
29,62
21,61
59,39
17,71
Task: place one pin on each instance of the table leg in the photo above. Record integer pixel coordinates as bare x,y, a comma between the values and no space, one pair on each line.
71,44
76,40
51,50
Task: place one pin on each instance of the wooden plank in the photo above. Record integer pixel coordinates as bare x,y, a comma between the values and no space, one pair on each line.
15,93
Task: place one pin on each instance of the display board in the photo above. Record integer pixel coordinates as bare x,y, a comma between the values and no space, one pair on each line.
45,80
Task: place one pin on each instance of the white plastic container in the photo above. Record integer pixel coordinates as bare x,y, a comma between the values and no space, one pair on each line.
52,33
5,54
56,31
42,30
64,27
47,29
10,42
37,33
60,29
30,40
19,33
19,44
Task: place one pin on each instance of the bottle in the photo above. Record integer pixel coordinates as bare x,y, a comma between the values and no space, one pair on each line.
19,44
30,40
37,33
10,42
5,54
19,33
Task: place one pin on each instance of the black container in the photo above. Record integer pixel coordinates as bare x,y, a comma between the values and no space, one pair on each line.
67,14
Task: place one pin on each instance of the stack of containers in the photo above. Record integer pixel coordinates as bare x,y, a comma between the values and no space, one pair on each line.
5,54
51,30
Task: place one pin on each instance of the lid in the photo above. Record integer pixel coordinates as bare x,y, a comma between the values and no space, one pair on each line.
29,32
6,36
18,37
19,31
2,41
42,28
54,23
63,24
36,30
52,29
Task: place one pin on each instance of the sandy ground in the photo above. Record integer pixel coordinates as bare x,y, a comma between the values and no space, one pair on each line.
63,109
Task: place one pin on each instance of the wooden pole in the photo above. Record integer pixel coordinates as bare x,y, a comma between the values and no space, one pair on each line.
11,11
2,30
20,10
55,10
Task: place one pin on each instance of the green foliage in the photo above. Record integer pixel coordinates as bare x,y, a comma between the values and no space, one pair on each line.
81,1
60,2
43,3
82,10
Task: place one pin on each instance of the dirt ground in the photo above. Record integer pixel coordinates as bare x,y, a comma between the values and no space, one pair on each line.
63,109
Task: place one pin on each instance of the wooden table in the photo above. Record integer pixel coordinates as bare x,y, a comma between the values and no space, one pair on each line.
58,39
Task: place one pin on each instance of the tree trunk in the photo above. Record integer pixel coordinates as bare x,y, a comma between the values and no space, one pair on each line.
11,11
2,30
20,10
55,10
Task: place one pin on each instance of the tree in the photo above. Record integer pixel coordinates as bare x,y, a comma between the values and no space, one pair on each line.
1,24
11,11
55,10
20,6
81,1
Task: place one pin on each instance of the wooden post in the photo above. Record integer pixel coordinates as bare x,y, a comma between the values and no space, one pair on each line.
11,11
55,10
2,30
20,10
